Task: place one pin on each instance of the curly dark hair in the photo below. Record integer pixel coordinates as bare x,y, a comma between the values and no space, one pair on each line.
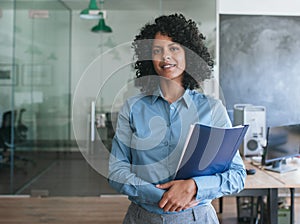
199,63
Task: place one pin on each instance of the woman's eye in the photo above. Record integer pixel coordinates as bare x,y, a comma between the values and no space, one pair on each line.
156,51
174,48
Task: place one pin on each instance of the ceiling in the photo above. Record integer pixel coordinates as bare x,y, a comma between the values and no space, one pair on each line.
108,4
138,4
114,4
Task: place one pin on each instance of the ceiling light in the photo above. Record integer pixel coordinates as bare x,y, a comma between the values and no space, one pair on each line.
101,27
92,12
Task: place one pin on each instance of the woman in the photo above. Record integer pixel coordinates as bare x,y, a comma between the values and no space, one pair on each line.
152,127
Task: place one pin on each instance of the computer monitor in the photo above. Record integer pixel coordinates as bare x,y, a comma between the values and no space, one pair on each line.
282,142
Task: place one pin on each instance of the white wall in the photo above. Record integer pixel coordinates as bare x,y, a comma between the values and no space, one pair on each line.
263,7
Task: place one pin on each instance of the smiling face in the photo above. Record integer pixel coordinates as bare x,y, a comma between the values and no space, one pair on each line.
168,58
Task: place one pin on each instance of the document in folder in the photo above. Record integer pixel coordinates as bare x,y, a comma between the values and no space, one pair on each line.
209,150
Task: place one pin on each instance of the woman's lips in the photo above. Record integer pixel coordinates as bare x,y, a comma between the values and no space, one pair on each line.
166,66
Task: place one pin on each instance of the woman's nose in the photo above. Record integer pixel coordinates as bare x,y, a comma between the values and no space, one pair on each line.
166,57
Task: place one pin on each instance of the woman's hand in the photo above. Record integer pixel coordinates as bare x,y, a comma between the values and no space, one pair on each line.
192,203
179,196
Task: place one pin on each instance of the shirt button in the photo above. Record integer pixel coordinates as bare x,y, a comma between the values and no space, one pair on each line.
166,143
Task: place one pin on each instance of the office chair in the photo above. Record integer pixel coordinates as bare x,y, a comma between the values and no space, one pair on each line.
19,130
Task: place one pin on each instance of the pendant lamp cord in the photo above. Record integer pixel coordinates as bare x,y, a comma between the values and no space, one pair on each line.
101,5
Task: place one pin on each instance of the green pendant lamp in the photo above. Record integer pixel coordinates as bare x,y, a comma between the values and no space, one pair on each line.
92,12
101,27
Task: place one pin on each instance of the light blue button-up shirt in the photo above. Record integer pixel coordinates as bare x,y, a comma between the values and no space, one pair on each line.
149,139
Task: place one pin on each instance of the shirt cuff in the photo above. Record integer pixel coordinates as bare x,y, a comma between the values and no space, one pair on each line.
208,187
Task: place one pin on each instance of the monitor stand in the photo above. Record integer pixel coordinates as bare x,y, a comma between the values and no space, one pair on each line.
280,167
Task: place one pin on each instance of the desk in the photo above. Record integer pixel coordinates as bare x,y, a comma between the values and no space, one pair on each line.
290,180
262,184
267,183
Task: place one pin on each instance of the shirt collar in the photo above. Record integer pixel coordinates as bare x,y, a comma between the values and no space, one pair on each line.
186,98
156,94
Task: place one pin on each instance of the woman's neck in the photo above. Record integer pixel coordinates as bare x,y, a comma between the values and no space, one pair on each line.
171,90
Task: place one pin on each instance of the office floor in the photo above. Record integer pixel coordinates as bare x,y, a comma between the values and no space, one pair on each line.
71,184
58,173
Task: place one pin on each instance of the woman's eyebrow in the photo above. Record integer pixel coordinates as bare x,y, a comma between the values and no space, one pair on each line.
169,45
172,44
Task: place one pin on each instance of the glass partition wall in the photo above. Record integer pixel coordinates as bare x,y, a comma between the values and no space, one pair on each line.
35,85
68,84
8,82
42,49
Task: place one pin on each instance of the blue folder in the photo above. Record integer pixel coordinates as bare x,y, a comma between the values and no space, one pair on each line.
209,150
